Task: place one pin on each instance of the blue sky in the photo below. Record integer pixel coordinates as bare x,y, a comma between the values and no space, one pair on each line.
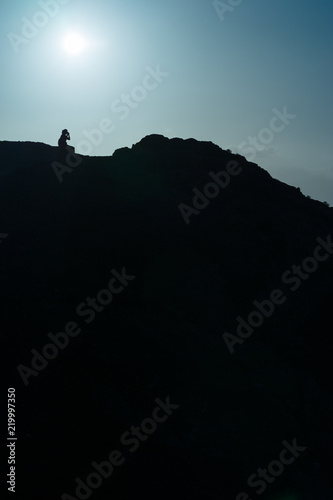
222,78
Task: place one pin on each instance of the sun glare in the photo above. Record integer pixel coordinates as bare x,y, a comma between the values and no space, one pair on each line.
73,44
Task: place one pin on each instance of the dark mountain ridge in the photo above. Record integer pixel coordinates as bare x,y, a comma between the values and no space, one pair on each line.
164,334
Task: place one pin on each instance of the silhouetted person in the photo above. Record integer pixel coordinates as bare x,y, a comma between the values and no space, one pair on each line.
62,143
64,148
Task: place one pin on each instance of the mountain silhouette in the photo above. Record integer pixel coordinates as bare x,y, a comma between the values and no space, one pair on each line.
202,254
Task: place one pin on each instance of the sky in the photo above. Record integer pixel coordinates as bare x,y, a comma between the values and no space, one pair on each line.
254,76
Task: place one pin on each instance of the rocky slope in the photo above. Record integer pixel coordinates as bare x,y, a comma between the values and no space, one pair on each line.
199,264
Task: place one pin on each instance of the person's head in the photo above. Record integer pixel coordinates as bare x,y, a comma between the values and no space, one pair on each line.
65,131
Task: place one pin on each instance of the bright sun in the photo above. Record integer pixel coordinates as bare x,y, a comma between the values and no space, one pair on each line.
73,44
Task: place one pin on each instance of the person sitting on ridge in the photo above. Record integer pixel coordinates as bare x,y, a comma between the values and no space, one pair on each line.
64,148
62,143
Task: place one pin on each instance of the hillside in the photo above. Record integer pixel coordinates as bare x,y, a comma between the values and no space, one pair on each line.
182,269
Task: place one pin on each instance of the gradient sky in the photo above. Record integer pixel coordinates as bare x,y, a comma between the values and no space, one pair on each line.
225,77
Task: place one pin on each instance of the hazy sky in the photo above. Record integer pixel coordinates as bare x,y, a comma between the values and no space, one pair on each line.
181,68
